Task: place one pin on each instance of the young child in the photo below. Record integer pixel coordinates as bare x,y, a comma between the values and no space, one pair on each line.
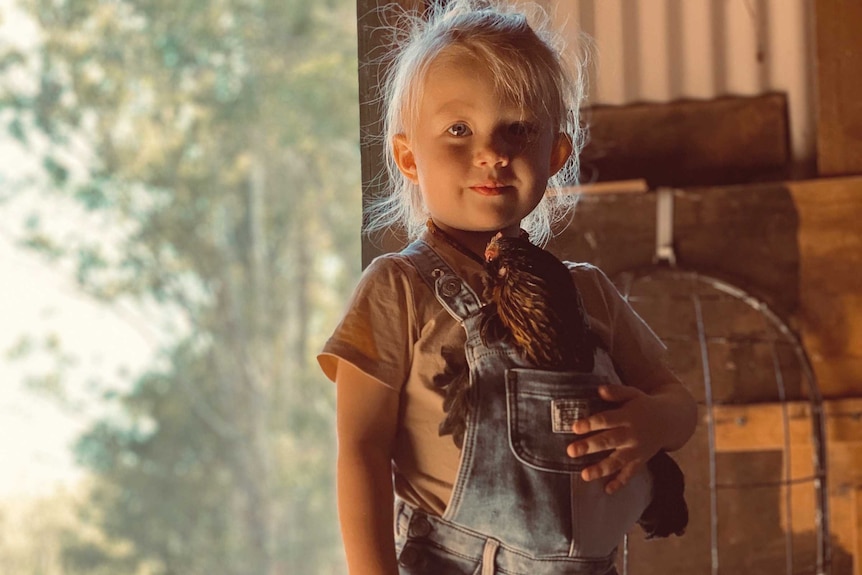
481,118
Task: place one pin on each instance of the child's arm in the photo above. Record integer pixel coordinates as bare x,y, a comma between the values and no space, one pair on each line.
660,415
656,411
367,413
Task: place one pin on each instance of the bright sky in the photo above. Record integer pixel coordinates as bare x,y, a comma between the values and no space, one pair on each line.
36,301
38,430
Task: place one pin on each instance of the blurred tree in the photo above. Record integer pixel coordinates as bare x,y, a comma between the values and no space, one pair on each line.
215,142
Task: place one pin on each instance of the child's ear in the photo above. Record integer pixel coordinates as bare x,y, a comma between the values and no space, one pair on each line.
560,152
404,158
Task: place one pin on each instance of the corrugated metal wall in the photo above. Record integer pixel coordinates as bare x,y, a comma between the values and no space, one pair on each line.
663,50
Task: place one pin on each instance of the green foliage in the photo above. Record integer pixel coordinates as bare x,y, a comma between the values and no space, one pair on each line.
167,483
218,140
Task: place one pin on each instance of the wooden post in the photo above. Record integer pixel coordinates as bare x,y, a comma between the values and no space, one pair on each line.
839,83
372,39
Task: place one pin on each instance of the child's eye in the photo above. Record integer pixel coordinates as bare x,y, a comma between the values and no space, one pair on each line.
459,130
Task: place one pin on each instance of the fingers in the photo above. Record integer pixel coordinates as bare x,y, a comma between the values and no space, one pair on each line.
622,478
617,467
604,468
613,417
607,440
610,465
618,392
619,430
600,421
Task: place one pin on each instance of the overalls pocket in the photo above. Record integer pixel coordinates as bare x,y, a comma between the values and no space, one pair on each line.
421,557
541,408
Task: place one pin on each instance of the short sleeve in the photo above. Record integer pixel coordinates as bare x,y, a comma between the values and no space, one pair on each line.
637,352
378,328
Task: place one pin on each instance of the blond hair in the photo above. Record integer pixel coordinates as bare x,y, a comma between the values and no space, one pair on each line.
526,59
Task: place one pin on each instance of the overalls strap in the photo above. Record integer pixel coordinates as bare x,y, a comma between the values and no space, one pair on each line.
454,294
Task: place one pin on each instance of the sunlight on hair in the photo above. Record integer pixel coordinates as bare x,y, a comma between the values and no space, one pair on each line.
532,67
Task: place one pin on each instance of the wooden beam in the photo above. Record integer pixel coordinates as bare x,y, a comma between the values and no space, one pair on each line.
839,83
637,186
721,141
829,285
372,39
746,235
761,426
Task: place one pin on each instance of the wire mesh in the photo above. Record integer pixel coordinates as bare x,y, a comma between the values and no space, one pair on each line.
755,467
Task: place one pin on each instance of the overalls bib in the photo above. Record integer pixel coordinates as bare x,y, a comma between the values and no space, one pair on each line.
518,505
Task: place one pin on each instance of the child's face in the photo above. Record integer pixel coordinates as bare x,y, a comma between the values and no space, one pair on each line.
482,163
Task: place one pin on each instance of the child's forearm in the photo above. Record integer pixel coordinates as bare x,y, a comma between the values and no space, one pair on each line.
678,414
365,504
367,414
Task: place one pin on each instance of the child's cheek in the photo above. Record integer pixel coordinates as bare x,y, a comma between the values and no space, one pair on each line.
456,154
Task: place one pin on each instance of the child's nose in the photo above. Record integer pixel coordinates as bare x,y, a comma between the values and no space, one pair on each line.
491,152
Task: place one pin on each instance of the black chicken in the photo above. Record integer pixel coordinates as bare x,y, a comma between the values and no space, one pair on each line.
534,303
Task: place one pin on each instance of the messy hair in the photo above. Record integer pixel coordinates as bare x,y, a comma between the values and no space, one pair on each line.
531,69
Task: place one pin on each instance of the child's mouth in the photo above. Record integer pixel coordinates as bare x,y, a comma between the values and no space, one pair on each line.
490,189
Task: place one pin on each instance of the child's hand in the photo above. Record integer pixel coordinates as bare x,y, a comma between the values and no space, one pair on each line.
632,431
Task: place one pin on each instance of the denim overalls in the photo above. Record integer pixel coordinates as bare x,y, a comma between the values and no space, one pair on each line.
518,505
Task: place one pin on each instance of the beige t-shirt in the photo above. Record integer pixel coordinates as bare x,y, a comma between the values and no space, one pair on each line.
394,330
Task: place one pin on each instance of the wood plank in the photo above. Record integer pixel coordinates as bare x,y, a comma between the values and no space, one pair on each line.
746,429
842,520
844,481
830,285
722,141
638,186
761,427
743,234
845,466
839,83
